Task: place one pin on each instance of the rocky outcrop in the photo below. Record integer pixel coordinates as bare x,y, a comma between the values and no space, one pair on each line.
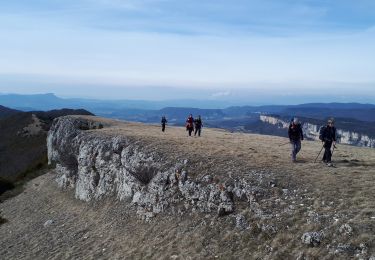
311,131
98,166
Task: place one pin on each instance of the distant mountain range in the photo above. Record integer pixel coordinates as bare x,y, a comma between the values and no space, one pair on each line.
354,117
49,101
145,110
5,112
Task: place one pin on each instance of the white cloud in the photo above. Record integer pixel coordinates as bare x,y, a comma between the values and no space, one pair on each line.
221,94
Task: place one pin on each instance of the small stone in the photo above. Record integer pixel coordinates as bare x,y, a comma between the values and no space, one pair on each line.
224,209
346,229
241,222
312,238
345,248
207,179
48,223
183,176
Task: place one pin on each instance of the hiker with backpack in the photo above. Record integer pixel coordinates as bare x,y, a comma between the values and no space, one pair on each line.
190,124
163,123
295,134
198,126
327,135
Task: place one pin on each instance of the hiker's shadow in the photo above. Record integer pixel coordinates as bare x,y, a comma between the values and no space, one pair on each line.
353,163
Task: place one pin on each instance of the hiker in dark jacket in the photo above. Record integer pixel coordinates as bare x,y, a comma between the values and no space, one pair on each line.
198,126
328,136
190,124
163,123
295,134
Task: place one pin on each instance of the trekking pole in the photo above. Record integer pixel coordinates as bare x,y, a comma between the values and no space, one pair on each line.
333,149
319,153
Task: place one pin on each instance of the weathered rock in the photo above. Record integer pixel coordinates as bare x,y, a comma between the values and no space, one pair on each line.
346,229
349,249
363,249
345,248
48,223
241,222
312,238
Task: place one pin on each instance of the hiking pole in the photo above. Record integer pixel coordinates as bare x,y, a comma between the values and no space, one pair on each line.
333,149
319,153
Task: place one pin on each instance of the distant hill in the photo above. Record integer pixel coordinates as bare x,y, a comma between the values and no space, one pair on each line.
5,111
34,102
23,142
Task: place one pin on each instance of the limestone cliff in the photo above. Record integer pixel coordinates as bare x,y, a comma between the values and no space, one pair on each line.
311,131
98,166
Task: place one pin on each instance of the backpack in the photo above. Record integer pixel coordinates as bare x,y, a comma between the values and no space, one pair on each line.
322,132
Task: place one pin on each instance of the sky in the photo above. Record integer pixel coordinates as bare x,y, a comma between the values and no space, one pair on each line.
212,48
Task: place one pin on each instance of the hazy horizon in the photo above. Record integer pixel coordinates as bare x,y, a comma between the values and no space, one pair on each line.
222,100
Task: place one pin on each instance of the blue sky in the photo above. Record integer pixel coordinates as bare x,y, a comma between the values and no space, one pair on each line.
106,48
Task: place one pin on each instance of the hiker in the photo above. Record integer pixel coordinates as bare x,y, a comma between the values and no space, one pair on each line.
327,135
163,123
198,126
295,134
190,124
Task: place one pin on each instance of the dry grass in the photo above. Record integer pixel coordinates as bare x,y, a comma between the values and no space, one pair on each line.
345,192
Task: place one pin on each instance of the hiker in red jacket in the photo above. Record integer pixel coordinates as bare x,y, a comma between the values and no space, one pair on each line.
190,124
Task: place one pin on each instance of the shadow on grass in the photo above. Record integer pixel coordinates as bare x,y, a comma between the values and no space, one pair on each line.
2,221
11,189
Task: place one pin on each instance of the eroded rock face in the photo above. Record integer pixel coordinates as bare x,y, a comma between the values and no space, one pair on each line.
97,165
